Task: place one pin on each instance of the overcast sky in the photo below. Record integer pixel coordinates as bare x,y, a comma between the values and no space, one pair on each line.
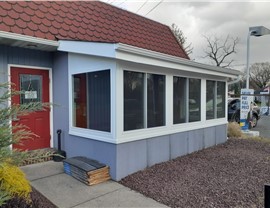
213,18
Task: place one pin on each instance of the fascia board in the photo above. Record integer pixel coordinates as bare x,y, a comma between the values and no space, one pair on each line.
128,53
26,38
88,48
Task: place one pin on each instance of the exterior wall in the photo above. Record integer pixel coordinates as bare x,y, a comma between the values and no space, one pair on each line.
60,97
137,155
75,145
126,157
79,63
22,56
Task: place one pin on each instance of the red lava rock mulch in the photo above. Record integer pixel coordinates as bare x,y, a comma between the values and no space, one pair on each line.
38,201
228,175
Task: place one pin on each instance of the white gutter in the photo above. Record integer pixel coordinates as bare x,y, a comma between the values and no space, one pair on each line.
178,60
26,38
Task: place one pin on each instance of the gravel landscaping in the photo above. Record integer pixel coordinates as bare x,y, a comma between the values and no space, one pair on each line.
228,175
38,201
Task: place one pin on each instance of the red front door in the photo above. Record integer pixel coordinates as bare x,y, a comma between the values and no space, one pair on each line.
35,84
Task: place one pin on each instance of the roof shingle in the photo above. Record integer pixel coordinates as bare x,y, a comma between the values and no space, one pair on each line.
87,21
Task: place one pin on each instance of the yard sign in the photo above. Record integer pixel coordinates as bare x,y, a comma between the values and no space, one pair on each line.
245,107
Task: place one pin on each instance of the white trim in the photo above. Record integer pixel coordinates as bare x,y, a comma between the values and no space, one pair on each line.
26,38
113,102
128,49
134,54
141,134
92,134
50,91
168,99
85,132
119,119
203,100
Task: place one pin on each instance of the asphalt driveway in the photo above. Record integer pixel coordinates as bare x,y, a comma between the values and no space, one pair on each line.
263,127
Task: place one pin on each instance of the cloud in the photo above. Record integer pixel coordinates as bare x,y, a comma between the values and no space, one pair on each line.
213,18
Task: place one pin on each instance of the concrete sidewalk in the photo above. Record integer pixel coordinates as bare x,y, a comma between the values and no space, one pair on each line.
65,191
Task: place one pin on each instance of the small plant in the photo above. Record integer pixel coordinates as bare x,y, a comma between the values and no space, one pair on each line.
13,183
234,130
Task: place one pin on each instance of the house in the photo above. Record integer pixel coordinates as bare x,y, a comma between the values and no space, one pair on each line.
126,93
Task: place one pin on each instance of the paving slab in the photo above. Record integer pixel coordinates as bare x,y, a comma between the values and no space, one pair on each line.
123,197
66,192
42,170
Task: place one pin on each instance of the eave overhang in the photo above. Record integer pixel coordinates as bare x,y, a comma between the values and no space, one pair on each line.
24,41
124,52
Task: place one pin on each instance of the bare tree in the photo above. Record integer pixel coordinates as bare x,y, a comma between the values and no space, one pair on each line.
220,50
260,74
180,37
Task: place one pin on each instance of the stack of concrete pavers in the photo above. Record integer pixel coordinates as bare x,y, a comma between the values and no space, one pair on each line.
86,170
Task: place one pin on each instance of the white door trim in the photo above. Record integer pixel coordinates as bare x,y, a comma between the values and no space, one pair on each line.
50,91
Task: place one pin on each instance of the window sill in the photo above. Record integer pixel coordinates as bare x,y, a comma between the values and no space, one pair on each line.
92,134
141,134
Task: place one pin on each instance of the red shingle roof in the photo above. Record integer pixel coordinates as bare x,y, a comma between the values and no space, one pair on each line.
87,21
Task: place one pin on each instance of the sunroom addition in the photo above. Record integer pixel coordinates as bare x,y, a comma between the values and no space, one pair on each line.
130,94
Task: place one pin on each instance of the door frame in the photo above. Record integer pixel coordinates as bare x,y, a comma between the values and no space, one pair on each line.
50,92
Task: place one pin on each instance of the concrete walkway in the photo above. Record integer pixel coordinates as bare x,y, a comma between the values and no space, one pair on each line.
65,191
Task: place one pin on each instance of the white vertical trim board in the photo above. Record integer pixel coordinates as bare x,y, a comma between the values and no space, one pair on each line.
119,99
169,100
203,100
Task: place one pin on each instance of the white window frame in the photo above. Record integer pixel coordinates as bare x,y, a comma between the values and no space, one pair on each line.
169,128
145,95
215,100
91,133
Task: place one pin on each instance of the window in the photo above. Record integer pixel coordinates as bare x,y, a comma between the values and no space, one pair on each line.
133,100
31,85
144,100
210,99
155,100
194,100
221,88
186,100
215,99
179,100
92,100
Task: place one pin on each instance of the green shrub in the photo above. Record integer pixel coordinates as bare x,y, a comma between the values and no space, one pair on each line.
12,180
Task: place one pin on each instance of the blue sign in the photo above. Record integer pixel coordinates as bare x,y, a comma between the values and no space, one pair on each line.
246,108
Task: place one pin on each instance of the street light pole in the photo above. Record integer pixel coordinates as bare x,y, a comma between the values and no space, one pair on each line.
248,39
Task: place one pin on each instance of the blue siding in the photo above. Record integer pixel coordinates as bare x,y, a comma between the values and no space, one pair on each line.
60,96
179,144
131,157
158,150
138,155
195,140
210,137
22,56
